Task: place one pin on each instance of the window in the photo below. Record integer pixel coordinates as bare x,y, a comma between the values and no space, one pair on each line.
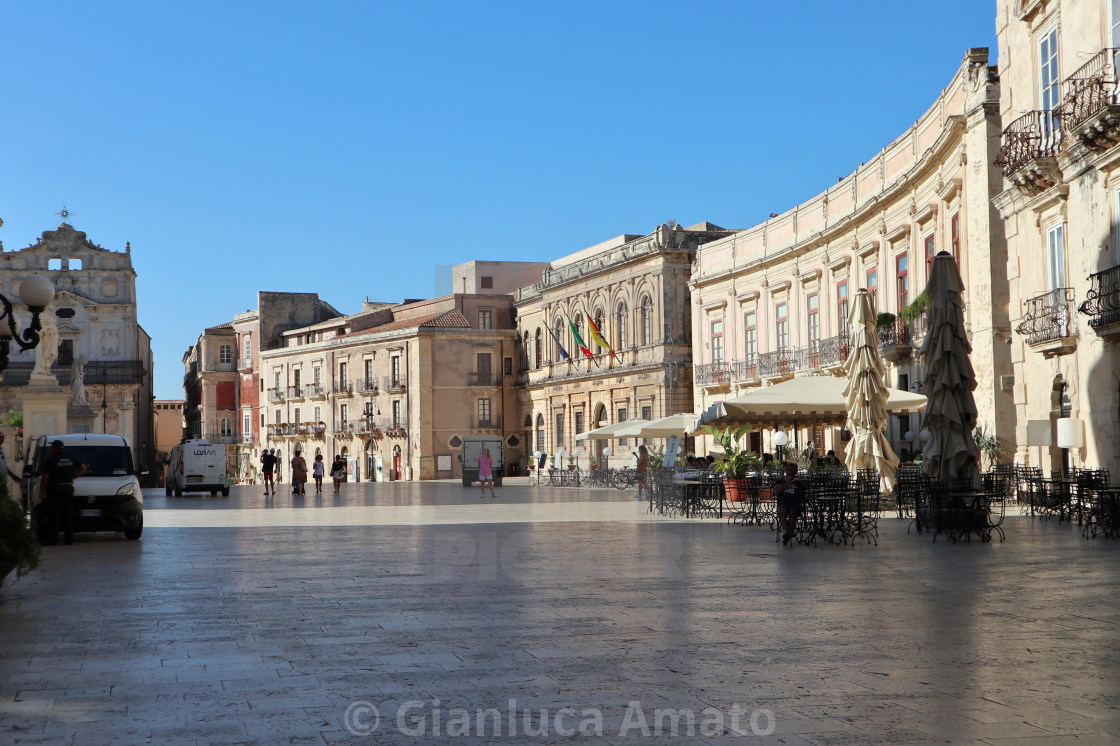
558,331
486,282
750,338
538,348
226,427
1056,255
248,346
343,374
647,414
578,422
296,375
66,352
225,354
902,280
621,418
873,287
397,413
559,430
317,376
395,367
318,415
598,325
813,309
484,413
646,318
717,341
955,227
367,370
931,252
842,307
247,424
343,413
485,319
620,323
277,418
1048,70
262,419
507,366
782,327
54,263
297,419
540,432
482,368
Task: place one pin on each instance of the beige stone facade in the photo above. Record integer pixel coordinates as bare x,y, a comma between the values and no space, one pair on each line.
1060,204
395,388
210,387
771,302
168,424
635,288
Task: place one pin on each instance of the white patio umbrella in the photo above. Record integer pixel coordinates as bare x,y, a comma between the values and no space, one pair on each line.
674,424
951,452
610,432
866,396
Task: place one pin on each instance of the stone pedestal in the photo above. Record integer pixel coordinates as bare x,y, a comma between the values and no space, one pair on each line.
44,407
81,418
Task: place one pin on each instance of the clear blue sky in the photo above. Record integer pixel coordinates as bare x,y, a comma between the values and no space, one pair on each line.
348,148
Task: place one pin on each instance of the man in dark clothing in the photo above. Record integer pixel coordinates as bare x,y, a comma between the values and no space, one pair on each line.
268,463
790,494
59,473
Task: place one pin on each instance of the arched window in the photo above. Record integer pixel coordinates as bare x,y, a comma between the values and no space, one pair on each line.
526,363
620,326
538,348
574,349
558,330
646,320
599,324
226,427
540,432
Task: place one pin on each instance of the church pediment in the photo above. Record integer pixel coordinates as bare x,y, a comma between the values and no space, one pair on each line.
68,297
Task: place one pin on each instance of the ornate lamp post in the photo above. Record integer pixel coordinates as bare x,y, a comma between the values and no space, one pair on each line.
36,292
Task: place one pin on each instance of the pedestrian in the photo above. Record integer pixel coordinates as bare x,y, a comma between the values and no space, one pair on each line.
279,467
268,463
317,470
299,473
5,472
59,473
641,470
486,472
338,473
790,493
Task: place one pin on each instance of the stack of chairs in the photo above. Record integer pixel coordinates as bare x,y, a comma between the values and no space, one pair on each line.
907,487
996,494
1027,479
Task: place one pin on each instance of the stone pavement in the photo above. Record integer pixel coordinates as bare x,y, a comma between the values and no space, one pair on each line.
282,620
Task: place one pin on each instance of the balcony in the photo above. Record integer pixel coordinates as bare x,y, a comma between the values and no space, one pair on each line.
494,422
1048,322
830,352
342,388
394,385
225,366
246,438
396,430
783,363
1027,148
744,370
245,364
276,395
222,438
366,385
894,341
342,428
1102,302
293,392
314,391
1089,110
485,378
712,375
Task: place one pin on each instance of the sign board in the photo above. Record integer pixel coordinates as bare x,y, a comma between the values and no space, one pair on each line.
443,463
672,448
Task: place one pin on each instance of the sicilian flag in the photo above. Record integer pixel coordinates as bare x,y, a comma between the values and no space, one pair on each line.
579,339
598,337
563,353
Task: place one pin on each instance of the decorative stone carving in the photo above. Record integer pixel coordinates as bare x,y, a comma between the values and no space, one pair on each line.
77,382
47,351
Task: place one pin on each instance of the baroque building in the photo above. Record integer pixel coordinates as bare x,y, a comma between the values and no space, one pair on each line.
772,301
634,289
99,336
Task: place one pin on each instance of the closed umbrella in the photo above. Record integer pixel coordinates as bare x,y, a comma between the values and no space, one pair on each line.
950,453
866,397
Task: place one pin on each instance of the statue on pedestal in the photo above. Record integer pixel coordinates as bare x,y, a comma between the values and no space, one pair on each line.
77,382
47,350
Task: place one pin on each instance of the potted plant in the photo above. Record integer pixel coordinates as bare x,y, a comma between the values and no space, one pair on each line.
19,550
571,463
737,463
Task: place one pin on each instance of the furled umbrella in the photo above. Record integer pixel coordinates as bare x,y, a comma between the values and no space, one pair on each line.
866,396
950,454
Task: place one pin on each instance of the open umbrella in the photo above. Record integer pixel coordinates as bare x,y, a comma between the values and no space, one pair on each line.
610,432
950,453
866,397
674,424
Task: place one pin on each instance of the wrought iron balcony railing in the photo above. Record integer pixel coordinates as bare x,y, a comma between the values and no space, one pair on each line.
783,362
342,387
276,394
1102,302
895,334
394,385
366,385
1036,134
830,351
314,391
711,374
1089,89
1048,317
745,370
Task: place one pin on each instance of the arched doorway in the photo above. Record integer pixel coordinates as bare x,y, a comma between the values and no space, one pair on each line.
345,457
597,421
369,460
1060,406
396,462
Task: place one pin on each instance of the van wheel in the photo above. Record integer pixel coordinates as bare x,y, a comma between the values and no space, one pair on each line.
213,493
168,488
225,491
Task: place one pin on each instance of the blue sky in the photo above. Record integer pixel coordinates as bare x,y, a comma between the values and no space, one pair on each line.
348,148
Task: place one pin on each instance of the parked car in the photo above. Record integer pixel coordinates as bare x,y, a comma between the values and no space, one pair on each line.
197,466
107,496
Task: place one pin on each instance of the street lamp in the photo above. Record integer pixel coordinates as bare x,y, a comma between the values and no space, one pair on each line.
104,404
36,292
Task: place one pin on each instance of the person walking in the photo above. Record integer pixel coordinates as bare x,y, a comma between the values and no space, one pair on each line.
640,472
338,473
299,473
486,472
317,470
268,463
59,473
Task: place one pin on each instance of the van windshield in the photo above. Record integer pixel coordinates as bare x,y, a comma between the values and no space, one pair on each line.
103,461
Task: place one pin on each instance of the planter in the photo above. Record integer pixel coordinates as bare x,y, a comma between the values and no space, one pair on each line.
571,467
736,489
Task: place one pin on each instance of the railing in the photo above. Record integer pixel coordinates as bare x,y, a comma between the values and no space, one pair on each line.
484,378
1047,317
1036,134
244,363
918,328
394,385
339,428
223,367
313,390
783,362
222,438
276,394
366,385
1089,89
487,423
894,334
246,438
96,373
744,370
1102,302
708,374
342,387
830,351
293,392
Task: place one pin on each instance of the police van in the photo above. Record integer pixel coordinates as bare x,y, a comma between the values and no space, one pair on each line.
197,466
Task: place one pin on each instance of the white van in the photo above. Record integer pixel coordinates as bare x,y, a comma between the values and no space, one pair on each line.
197,466
107,496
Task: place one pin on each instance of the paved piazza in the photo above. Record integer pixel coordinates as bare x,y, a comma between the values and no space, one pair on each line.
246,620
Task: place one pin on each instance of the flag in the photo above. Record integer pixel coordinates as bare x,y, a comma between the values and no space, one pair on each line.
598,337
563,353
579,339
